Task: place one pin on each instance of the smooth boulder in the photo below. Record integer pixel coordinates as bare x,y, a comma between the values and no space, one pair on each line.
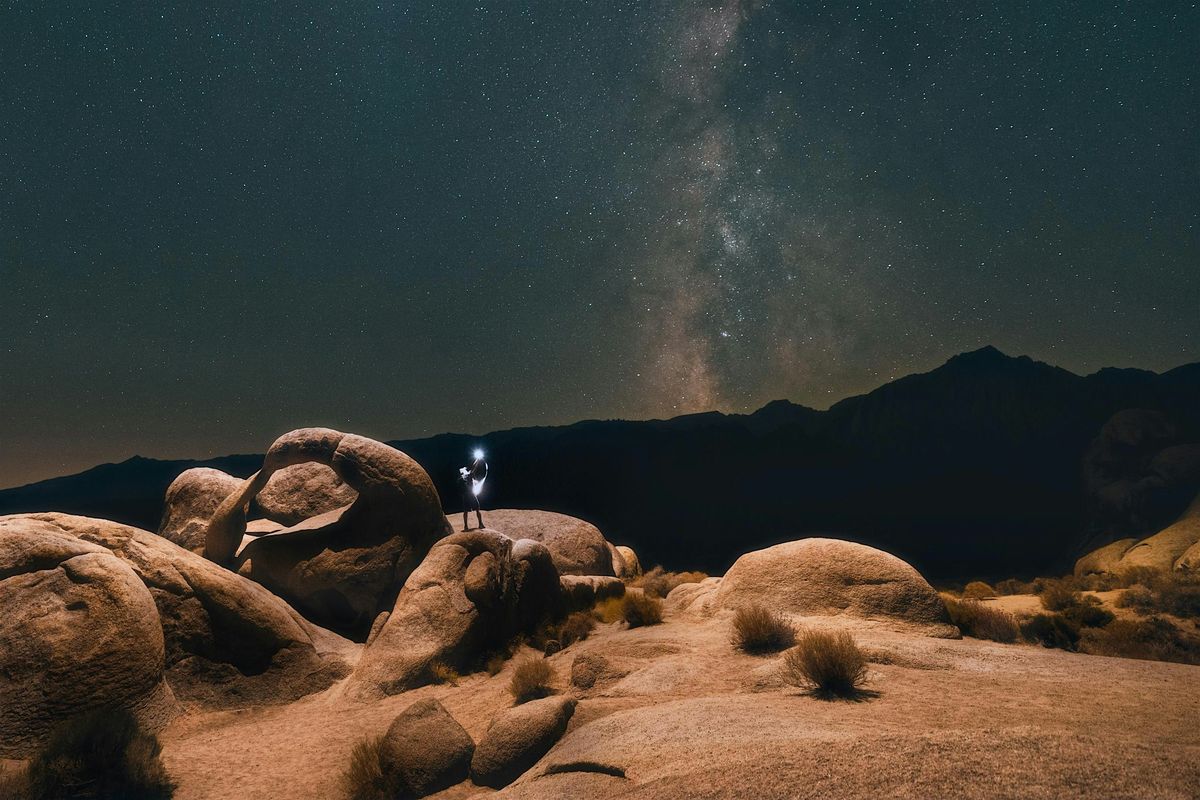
228,641
296,493
78,631
630,566
1165,548
427,748
1104,559
190,502
578,547
831,577
517,738
464,600
343,567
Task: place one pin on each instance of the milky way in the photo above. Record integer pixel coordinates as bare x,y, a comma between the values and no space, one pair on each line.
217,224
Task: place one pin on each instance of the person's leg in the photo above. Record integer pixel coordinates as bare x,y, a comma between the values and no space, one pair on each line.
467,495
478,511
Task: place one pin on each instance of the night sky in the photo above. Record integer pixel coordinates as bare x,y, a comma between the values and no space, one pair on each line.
398,219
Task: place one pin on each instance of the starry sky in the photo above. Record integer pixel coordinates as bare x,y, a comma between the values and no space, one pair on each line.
219,222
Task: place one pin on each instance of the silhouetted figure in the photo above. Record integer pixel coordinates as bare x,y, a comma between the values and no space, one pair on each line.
472,478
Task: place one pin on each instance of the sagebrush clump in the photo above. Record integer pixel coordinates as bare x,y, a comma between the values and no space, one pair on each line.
978,590
757,629
531,679
365,778
638,609
104,752
828,663
659,583
982,622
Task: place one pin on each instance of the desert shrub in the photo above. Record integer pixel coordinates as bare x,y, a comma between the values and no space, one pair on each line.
102,753
978,590
1059,595
982,622
1099,582
1137,597
757,629
1180,595
1051,630
829,663
494,663
564,632
1088,613
659,583
364,777
441,672
1145,576
1013,586
638,609
531,679
1153,638
609,609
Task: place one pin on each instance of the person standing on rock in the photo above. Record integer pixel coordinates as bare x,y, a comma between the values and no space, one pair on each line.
472,477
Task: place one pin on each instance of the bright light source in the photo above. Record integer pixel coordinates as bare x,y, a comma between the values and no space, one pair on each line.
477,487
478,453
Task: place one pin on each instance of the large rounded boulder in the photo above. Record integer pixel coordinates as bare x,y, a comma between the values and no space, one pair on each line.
1104,559
831,577
78,631
1165,548
578,547
426,749
517,738
191,500
471,594
296,493
343,567
228,641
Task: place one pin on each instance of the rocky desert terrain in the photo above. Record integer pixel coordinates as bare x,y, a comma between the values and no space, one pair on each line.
322,625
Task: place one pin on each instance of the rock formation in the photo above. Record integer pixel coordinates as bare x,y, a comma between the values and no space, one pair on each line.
578,547
517,738
189,505
78,631
829,577
343,567
463,600
427,748
627,561
1104,559
296,493
1165,548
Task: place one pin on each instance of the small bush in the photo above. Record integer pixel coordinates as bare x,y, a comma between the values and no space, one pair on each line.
495,663
828,663
659,583
1153,638
1013,586
13,785
609,609
101,753
1180,595
365,778
1146,576
565,632
441,672
531,679
1137,597
757,629
982,622
638,609
978,590
1058,596
1088,614
1051,630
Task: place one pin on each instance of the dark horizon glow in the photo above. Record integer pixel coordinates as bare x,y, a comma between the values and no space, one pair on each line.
401,219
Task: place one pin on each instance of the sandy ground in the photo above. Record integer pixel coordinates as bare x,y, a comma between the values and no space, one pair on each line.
694,718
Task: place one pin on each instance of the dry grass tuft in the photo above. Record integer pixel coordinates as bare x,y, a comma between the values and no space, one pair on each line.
1059,596
365,778
531,680
757,629
982,622
659,583
102,753
830,664
978,590
638,609
1153,638
609,610
440,672
563,633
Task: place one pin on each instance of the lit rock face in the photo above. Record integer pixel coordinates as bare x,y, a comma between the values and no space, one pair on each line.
190,502
472,593
517,738
78,631
296,493
427,748
228,641
578,547
1167,547
340,568
1104,559
626,565
830,577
